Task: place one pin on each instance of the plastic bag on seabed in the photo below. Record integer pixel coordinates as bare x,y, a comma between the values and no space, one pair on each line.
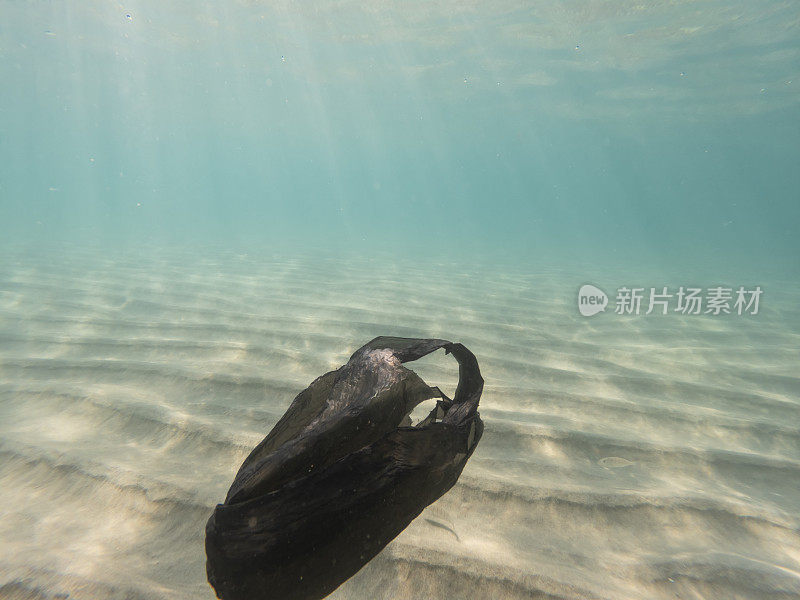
342,474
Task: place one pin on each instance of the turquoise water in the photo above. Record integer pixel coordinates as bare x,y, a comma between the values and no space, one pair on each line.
602,130
206,205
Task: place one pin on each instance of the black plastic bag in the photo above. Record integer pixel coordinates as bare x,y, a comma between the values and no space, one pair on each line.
342,474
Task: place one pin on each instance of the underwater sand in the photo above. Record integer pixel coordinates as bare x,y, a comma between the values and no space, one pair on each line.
640,457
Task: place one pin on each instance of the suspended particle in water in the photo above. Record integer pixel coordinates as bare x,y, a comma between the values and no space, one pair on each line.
283,58
577,47
465,80
683,74
129,16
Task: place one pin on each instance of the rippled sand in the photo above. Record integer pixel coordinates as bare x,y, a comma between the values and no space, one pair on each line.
642,458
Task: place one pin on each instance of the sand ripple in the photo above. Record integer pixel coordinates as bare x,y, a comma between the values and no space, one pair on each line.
623,458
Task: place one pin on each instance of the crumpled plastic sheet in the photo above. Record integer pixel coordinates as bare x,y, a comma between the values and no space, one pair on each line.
342,474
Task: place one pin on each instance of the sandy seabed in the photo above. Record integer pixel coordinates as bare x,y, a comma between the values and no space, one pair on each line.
648,457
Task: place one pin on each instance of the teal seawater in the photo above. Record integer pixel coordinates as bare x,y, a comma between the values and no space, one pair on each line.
206,205
609,131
